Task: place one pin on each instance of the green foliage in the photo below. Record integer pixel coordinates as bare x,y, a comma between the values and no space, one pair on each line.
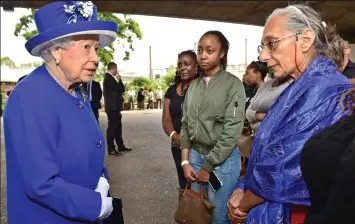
142,82
169,78
147,84
166,81
3,100
128,30
8,62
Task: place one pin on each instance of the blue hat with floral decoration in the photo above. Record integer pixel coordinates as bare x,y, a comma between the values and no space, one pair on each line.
68,18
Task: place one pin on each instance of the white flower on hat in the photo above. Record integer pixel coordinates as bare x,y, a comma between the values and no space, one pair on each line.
87,10
69,9
84,8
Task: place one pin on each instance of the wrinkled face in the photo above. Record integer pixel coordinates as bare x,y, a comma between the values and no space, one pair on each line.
252,76
283,44
187,67
80,61
209,52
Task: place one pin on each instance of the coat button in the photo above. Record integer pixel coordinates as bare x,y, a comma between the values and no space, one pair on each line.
99,144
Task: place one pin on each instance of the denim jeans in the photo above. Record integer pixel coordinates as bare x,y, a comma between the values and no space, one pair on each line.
228,173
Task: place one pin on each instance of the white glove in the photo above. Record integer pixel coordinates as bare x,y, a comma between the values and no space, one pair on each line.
106,208
102,187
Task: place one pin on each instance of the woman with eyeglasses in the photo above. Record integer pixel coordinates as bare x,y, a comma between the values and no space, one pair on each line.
298,44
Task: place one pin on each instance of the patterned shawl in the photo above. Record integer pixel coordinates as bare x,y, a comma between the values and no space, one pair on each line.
306,107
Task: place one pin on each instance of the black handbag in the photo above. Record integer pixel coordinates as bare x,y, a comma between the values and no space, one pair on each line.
116,216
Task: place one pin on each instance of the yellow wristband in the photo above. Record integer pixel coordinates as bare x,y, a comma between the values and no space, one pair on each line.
172,133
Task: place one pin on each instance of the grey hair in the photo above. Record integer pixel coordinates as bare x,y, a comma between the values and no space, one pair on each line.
46,52
327,41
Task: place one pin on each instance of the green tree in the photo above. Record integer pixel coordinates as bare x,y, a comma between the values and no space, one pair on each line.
8,62
169,78
128,30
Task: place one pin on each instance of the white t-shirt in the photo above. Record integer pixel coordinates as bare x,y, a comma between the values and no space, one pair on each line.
131,93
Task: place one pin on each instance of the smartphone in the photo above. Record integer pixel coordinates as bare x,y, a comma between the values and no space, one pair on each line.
214,181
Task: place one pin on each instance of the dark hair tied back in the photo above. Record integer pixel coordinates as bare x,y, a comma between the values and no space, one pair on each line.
259,66
224,45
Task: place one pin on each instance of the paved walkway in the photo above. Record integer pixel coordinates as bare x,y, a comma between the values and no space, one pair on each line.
144,178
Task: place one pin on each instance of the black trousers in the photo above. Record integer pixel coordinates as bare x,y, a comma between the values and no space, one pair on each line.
114,130
177,159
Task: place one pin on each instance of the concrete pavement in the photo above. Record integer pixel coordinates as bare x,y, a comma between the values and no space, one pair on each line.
144,178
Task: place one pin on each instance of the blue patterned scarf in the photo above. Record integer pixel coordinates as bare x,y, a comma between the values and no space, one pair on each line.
306,107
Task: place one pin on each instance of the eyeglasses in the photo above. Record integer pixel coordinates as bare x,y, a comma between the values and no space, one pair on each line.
269,46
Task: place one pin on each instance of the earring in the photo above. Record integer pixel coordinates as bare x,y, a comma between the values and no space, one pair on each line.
56,61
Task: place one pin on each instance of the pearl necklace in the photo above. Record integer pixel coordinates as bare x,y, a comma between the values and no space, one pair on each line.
71,91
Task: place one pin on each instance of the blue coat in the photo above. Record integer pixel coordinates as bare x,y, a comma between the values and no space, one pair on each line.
54,153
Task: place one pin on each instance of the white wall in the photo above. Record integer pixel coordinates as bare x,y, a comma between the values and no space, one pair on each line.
352,53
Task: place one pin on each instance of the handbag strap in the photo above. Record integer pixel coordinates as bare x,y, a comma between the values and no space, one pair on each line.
203,193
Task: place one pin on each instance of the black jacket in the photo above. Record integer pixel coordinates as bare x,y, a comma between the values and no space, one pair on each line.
96,94
113,91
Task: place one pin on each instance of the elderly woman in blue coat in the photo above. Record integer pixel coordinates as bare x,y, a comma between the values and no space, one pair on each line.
54,146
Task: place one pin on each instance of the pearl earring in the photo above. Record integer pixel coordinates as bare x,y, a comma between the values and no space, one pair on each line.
57,62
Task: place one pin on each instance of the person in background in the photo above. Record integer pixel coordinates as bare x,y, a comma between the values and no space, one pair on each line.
54,146
159,96
140,98
150,99
9,92
187,70
94,93
295,43
327,165
113,90
213,118
255,76
249,89
264,98
131,95
348,68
